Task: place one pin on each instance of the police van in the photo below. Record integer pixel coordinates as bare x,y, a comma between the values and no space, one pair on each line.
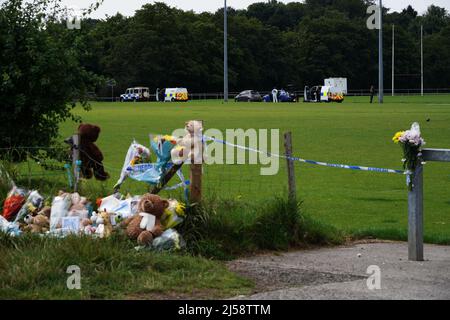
176,94
136,94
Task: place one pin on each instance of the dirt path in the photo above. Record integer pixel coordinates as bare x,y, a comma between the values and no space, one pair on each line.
341,273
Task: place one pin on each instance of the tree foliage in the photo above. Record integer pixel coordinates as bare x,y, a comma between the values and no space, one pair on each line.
270,44
45,68
41,73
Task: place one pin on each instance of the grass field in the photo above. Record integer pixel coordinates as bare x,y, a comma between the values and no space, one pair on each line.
355,132
244,212
35,268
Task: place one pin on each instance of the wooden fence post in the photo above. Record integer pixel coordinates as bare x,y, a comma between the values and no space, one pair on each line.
290,167
165,180
415,217
75,161
196,170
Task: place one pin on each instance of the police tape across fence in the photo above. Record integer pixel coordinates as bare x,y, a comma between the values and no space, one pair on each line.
318,163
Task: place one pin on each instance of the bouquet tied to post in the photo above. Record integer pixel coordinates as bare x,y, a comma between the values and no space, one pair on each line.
412,143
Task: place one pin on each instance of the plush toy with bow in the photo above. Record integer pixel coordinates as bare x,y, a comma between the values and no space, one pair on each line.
146,226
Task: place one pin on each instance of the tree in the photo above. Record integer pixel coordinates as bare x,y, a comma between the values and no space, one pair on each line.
437,48
41,77
335,45
435,19
270,44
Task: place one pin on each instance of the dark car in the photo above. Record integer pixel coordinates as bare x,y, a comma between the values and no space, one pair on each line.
248,96
283,96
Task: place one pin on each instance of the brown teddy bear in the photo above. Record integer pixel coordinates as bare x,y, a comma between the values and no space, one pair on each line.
37,224
46,211
146,226
90,155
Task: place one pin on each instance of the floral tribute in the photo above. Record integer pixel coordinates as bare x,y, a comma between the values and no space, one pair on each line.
412,143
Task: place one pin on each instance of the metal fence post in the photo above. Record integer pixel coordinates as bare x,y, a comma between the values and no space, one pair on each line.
415,217
290,167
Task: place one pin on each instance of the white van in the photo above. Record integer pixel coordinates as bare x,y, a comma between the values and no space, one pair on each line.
339,83
176,94
136,94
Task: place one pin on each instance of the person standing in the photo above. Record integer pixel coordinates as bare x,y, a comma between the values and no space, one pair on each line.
157,95
275,95
372,93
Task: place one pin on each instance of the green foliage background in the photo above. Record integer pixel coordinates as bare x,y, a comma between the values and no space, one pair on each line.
42,74
270,44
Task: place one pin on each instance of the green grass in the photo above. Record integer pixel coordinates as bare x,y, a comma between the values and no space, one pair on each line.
355,132
226,229
244,212
35,268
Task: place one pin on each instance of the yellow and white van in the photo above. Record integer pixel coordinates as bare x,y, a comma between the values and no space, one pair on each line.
176,94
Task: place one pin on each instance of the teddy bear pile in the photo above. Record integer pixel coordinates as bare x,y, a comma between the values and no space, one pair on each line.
149,220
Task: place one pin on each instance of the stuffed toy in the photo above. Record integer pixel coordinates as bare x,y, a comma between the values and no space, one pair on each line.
104,226
87,227
146,226
37,224
46,211
185,146
78,208
90,155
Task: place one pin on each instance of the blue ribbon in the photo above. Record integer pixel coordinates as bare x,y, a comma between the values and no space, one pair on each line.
332,165
69,175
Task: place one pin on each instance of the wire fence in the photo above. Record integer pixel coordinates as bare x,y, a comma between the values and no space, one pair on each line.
45,169
36,168
248,182
402,92
298,93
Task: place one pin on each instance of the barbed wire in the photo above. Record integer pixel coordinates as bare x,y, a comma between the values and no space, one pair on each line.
31,148
98,162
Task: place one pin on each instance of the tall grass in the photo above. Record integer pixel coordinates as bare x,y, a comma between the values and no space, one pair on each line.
33,267
224,229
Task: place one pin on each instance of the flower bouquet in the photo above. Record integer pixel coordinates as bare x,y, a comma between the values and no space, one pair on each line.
412,143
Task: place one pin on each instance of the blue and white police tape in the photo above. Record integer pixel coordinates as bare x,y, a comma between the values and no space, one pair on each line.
318,163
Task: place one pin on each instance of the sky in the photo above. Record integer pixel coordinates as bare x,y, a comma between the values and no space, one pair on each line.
128,7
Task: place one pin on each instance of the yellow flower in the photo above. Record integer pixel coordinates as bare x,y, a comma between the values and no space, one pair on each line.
397,136
169,138
180,209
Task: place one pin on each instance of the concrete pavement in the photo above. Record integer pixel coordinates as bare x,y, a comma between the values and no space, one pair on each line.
341,273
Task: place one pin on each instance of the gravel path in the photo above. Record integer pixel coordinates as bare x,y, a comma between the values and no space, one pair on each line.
341,273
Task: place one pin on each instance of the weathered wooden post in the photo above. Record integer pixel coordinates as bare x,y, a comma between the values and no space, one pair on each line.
197,167
415,204
76,160
165,180
290,167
